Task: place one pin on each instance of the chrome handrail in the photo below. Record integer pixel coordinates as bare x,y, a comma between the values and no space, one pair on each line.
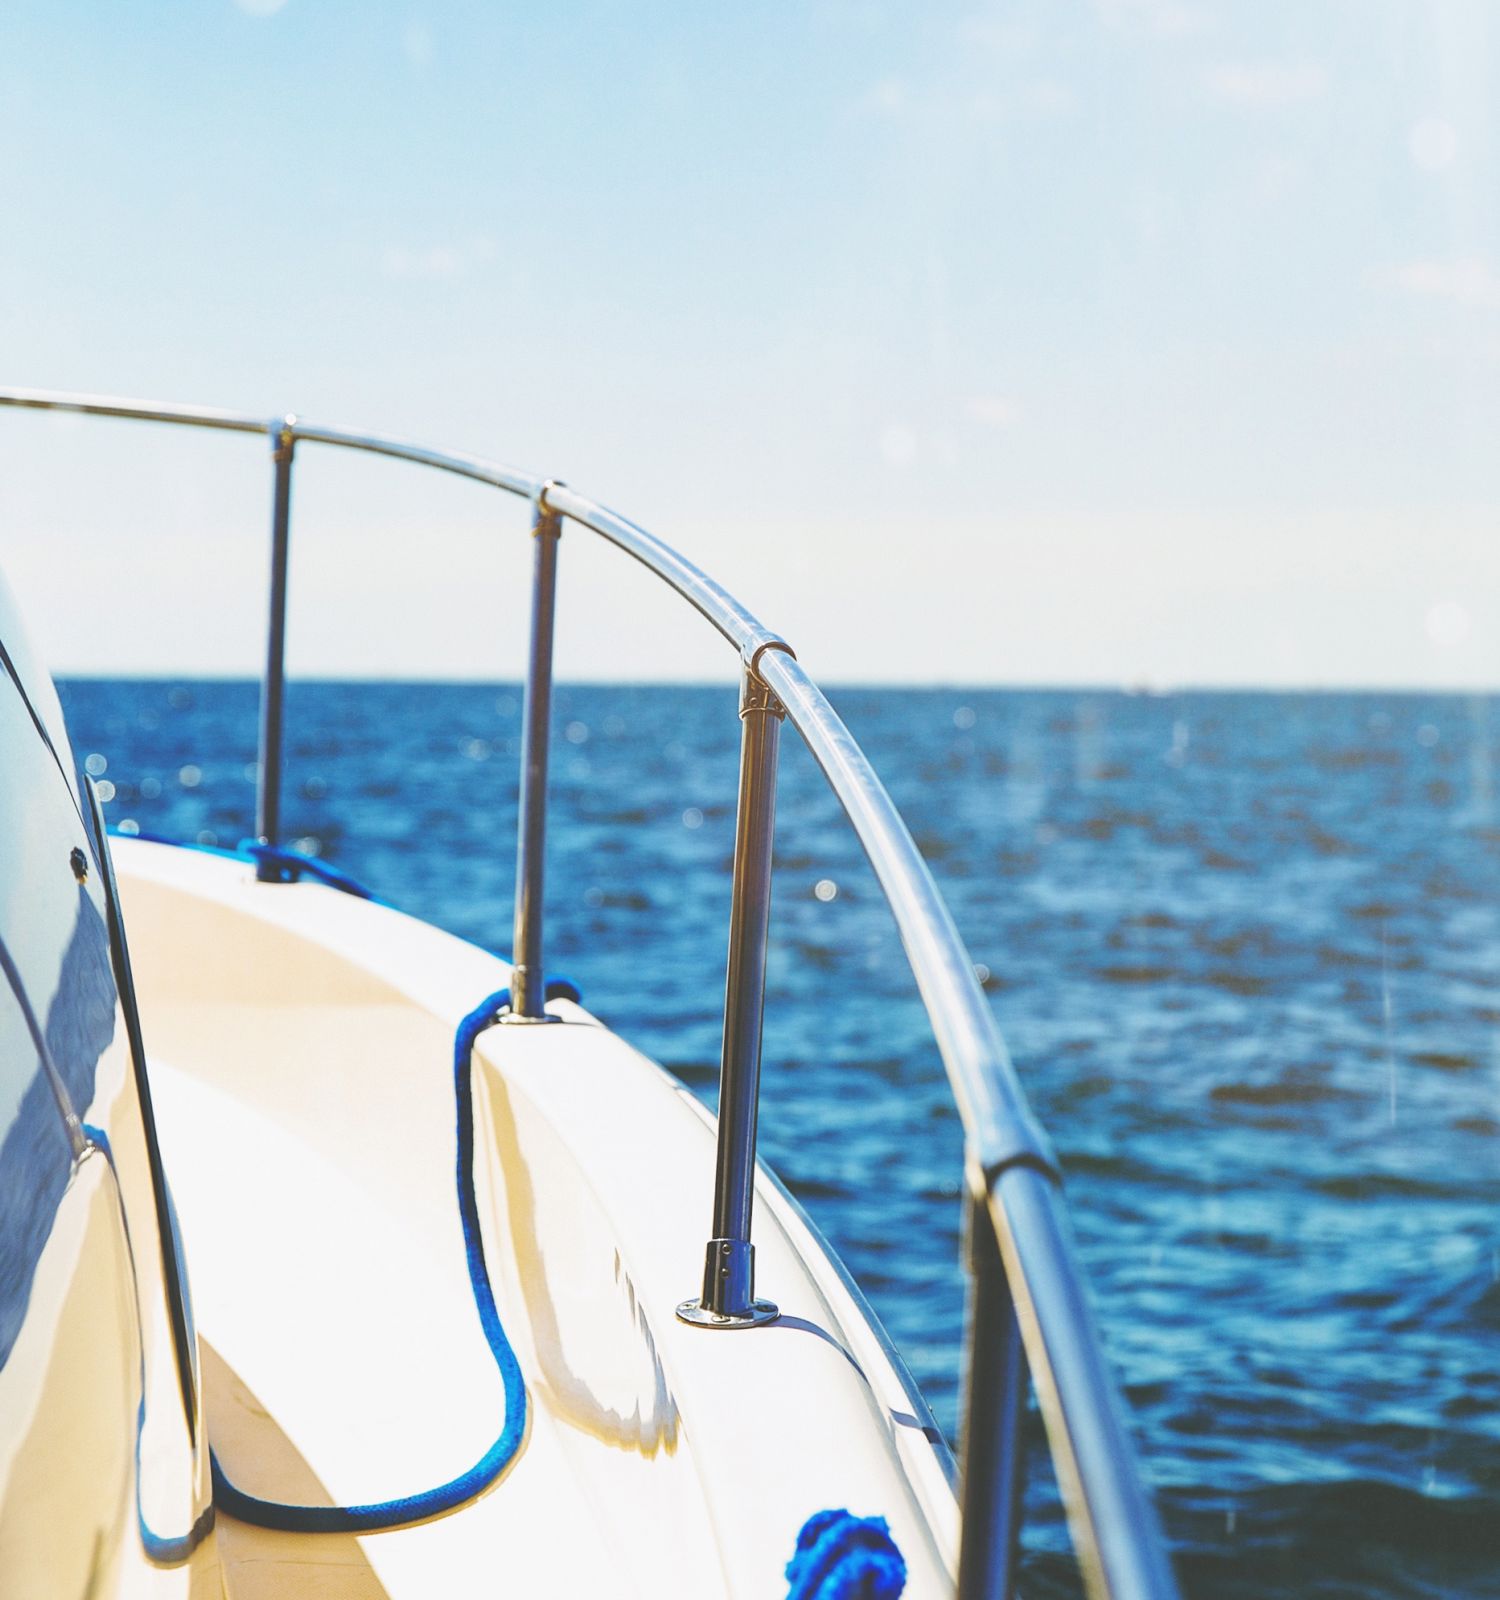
1029,1306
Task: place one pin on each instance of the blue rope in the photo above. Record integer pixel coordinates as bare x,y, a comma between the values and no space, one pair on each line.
290,864
428,1503
843,1557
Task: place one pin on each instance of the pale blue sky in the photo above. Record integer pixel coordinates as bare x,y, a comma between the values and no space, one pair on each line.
1135,340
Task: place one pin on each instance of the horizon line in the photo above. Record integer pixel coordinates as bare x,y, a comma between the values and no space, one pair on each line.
1143,690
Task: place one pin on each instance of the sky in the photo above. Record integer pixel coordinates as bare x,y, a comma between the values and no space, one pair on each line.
1118,342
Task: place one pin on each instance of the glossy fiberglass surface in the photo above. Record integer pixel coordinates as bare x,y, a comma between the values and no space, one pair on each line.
645,1467
101,1483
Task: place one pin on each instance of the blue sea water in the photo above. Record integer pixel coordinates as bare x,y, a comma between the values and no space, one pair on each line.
1246,951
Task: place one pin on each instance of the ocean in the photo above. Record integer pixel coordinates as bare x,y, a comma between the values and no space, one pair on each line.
1245,949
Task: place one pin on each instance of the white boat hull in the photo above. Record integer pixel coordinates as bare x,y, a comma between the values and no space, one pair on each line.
301,1053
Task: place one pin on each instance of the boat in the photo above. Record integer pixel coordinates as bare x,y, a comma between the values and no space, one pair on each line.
342,1257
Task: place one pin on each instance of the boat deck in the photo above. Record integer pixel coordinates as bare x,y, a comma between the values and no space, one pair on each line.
301,1049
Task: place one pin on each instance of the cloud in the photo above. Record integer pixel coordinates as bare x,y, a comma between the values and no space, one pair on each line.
1048,98
1042,101
898,444
416,44
1275,177
1265,85
436,263
1000,37
1433,143
1468,281
993,410
432,264
1167,19
888,98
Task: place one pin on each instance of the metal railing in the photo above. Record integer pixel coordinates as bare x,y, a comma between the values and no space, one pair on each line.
1028,1308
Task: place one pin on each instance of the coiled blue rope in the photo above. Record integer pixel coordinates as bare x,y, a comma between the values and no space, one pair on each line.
445,1496
843,1557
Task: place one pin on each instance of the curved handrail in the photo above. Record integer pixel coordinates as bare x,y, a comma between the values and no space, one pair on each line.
1014,1179
96,405
289,427
740,627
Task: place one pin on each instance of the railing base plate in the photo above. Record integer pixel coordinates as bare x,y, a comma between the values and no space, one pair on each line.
757,1315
